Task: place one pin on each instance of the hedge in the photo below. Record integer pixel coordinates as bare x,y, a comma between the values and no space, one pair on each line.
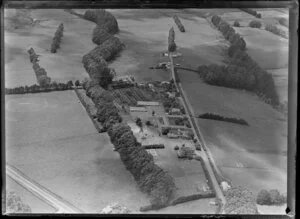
178,23
222,118
154,146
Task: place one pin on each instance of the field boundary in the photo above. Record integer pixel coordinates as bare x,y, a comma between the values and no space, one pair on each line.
97,125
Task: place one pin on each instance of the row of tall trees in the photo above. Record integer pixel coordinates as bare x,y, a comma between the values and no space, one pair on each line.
54,86
171,40
109,46
274,29
103,19
252,12
57,38
40,73
178,23
152,180
228,32
242,72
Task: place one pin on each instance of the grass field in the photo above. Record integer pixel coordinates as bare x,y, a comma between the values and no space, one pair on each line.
51,139
253,156
61,66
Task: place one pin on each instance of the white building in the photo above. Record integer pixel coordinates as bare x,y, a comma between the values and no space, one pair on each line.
225,186
147,103
137,109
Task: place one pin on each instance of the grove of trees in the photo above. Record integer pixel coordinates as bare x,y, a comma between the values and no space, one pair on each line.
171,40
178,23
283,21
236,24
255,24
57,38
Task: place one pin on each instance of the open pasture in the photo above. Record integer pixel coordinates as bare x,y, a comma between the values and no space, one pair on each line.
61,66
50,138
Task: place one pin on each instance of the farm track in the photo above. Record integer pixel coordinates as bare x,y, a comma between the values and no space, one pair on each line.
196,129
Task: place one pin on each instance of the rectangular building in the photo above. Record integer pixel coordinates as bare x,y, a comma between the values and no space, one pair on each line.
147,103
137,109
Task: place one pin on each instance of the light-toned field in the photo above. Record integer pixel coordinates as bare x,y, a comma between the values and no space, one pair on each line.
145,34
36,205
61,66
271,210
51,139
254,155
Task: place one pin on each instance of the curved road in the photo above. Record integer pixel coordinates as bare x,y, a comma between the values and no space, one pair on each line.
61,205
199,136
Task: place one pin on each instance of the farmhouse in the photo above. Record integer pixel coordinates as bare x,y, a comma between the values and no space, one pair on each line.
137,109
172,135
147,103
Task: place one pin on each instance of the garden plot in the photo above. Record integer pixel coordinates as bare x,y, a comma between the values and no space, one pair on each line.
51,139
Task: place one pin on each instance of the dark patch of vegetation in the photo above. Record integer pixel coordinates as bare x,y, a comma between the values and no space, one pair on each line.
239,201
40,73
152,179
255,24
154,146
223,118
178,23
271,197
283,21
14,204
241,73
273,29
148,123
103,19
252,12
176,148
100,35
57,38
229,32
236,24
171,40
179,121
165,130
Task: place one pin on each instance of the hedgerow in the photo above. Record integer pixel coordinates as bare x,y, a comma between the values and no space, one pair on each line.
57,38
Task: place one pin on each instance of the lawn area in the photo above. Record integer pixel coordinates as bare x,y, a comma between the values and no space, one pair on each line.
243,153
61,66
281,81
50,138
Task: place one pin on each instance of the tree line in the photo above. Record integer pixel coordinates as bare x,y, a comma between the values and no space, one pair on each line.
152,179
57,38
54,86
242,72
228,32
271,197
40,73
178,23
252,12
223,118
95,61
274,29
171,40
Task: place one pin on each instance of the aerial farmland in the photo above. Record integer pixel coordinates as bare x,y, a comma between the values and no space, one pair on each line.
165,111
